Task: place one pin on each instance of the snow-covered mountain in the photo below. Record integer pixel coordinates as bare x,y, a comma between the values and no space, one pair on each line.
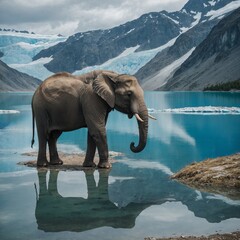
150,31
91,48
215,60
152,47
156,73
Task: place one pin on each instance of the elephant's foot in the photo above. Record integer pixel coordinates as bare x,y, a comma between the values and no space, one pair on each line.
89,164
44,163
105,164
57,161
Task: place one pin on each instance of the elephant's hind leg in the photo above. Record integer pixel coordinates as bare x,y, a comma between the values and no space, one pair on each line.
52,143
91,149
42,141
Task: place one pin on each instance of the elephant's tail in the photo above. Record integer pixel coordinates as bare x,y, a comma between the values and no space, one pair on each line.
33,127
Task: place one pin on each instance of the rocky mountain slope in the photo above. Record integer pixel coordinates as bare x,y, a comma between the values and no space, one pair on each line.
96,47
162,67
13,80
215,60
152,74
189,26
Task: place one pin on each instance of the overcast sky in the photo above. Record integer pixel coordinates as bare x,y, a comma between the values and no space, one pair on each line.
70,16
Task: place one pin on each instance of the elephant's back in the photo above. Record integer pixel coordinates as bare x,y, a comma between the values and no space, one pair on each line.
59,85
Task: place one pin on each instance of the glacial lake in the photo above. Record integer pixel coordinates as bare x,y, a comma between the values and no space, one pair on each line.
137,198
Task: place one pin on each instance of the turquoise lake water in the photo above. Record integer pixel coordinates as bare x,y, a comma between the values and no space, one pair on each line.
137,198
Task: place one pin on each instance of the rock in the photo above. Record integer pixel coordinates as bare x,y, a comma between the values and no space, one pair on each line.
220,175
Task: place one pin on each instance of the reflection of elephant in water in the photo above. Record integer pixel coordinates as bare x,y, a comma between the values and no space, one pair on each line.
64,102
55,213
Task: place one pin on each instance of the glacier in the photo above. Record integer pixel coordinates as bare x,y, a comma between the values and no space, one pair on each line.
34,68
19,48
129,61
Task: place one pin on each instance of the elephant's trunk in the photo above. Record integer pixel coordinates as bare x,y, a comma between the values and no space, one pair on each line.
142,119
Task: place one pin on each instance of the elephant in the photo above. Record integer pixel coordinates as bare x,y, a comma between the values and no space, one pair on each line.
65,102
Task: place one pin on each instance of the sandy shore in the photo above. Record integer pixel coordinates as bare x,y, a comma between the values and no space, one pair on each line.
72,161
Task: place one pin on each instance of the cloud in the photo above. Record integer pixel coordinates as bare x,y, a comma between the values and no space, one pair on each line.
69,16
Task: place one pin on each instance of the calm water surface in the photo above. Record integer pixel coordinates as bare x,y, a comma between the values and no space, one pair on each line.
136,198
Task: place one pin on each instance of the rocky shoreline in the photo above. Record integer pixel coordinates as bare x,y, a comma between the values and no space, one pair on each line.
226,236
219,175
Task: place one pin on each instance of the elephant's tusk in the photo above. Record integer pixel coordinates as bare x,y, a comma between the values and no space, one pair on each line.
138,117
152,117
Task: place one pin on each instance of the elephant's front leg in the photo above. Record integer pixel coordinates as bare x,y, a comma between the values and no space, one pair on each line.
100,138
91,149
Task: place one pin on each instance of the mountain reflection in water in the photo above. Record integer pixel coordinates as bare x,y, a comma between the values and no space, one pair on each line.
104,206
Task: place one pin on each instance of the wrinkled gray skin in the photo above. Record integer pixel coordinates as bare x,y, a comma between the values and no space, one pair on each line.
64,102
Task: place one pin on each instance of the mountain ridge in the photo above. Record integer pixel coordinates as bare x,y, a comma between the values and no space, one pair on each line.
184,43
217,57
91,48
149,31
151,74
13,80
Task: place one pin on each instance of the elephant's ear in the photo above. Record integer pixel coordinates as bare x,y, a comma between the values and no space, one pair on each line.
102,85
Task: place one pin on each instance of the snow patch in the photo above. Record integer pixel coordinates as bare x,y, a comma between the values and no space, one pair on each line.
184,11
165,74
129,31
197,18
175,21
227,8
212,3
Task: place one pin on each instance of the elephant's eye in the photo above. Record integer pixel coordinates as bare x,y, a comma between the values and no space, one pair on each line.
129,93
